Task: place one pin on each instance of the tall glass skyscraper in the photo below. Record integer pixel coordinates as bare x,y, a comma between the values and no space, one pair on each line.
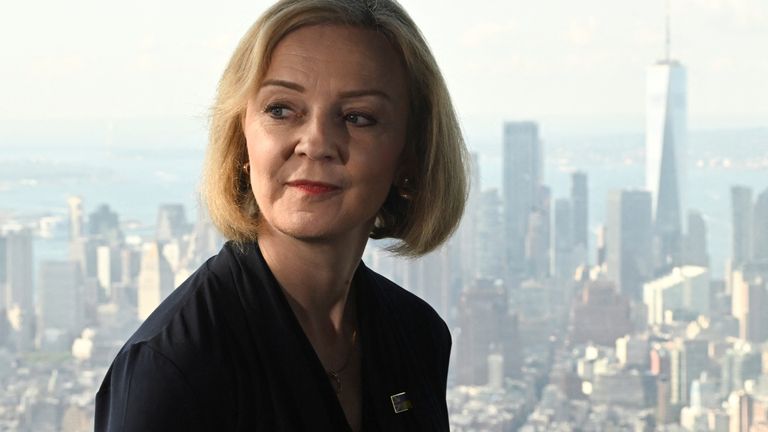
521,187
665,155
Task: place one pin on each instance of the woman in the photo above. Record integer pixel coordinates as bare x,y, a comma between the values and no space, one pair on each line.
332,125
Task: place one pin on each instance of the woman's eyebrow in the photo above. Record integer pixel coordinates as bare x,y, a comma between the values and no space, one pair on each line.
364,92
283,83
349,94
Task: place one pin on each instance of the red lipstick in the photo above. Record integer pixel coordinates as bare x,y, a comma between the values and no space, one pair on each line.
312,187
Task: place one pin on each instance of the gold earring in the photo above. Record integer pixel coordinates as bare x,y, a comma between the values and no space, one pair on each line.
247,168
404,190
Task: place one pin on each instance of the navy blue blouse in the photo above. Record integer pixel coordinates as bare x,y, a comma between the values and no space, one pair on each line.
224,352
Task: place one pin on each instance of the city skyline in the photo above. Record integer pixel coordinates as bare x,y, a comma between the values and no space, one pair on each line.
561,316
575,68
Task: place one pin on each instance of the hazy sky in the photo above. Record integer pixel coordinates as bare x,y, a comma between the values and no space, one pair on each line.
572,65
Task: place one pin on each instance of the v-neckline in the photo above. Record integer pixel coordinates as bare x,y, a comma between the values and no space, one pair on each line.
317,370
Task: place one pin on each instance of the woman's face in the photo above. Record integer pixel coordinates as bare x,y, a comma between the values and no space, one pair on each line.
325,132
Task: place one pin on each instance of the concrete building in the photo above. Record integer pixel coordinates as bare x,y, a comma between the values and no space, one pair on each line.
743,234
602,315
489,251
483,320
538,237
563,242
580,213
695,245
633,351
741,363
760,227
104,224
171,222
61,302
688,360
155,279
467,233
629,246
749,305
683,289
18,257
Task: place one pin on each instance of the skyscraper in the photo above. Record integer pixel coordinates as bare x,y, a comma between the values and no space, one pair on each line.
760,227
61,305
741,208
580,212
468,229
171,222
482,319
749,303
695,249
629,241
155,279
3,276
489,255
104,223
19,297
537,238
665,154
19,271
688,361
522,178
563,239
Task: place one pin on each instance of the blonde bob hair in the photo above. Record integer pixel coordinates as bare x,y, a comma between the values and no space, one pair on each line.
424,207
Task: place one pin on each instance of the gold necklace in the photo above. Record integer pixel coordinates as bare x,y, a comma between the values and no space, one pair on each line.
335,375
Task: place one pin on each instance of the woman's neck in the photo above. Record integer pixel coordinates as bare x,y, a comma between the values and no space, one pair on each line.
316,278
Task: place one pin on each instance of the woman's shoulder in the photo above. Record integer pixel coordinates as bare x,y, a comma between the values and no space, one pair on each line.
406,309
182,352
204,298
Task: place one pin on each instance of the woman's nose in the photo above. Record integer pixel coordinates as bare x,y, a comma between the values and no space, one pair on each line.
321,138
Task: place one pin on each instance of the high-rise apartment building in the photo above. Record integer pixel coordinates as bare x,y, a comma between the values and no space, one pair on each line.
695,249
563,243
741,208
749,305
523,168
468,229
482,319
155,279
760,227
685,288
18,270
61,305
489,248
18,295
3,276
602,315
629,252
665,155
687,361
580,213
171,222
104,224
537,238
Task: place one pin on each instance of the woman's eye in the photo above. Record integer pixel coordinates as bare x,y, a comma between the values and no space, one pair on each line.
358,119
277,111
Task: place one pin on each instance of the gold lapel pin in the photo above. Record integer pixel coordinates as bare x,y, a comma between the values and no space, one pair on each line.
400,402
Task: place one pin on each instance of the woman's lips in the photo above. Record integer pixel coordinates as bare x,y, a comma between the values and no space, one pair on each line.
312,187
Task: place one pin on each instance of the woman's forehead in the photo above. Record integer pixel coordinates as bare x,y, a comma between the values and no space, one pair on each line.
353,55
